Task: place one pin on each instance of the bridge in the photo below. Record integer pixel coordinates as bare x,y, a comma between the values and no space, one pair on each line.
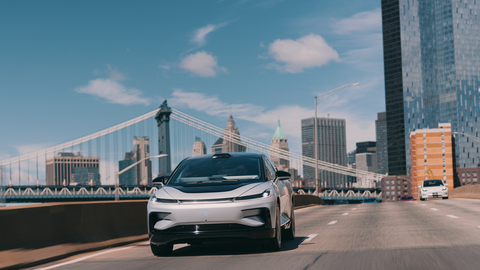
97,158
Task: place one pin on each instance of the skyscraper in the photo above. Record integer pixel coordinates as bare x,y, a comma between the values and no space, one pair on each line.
332,147
129,177
67,167
223,144
381,135
432,71
279,141
141,148
198,148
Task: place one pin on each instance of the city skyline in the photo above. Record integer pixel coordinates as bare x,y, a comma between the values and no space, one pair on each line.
141,72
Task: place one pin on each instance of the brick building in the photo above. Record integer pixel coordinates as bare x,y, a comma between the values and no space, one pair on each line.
395,187
431,156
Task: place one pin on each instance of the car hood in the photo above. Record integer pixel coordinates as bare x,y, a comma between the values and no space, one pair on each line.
211,192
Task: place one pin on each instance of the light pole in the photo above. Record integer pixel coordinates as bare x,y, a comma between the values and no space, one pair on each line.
128,168
323,97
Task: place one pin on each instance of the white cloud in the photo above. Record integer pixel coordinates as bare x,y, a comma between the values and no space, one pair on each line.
359,127
202,64
112,90
201,33
306,52
359,22
30,148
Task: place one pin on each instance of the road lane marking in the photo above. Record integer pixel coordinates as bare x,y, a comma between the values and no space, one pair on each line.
452,216
345,214
434,209
83,258
354,208
423,205
309,237
332,222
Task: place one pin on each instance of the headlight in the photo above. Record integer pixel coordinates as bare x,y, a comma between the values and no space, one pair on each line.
267,193
424,190
160,200
444,188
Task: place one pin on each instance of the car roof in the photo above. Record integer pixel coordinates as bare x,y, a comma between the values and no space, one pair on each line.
233,154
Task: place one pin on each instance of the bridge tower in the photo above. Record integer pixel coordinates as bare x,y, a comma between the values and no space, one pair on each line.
163,123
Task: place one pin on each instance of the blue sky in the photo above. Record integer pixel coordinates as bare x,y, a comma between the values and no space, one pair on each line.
71,68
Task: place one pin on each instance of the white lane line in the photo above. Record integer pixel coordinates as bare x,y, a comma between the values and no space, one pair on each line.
478,226
452,216
434,209
345,214
423,205
84,258
354,208
309,237
332,222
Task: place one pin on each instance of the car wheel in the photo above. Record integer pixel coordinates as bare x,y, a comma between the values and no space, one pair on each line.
444,198
290,232
161,250
275,243
422,199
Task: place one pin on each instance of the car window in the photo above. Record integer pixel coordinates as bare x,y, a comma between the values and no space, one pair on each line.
270,171
217,171
432,183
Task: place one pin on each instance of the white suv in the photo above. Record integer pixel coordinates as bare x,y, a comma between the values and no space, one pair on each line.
433,189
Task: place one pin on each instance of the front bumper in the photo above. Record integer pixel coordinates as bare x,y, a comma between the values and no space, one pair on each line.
429,195
200,222
184,234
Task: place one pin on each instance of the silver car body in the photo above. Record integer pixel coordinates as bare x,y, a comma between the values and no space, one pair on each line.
175,216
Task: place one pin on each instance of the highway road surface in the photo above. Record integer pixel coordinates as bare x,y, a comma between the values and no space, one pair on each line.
436,234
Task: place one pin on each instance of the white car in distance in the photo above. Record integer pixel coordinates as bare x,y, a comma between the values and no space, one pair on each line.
433,189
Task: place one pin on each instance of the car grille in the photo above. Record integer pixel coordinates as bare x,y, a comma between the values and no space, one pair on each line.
208,228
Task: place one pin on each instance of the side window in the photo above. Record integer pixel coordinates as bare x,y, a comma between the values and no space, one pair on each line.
270,171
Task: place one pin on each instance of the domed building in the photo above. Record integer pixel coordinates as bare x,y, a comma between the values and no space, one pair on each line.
279,141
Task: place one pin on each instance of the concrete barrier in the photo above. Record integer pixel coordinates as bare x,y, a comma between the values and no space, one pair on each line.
36,234
306,200
466,192
39,233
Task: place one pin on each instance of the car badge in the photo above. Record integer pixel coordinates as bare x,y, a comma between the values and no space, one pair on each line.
205,213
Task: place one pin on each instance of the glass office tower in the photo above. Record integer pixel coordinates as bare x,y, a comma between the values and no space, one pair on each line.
432,69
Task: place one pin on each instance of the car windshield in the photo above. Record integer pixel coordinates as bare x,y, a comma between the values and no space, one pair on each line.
217,171
432,183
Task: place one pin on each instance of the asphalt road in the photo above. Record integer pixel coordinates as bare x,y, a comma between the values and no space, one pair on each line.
437,234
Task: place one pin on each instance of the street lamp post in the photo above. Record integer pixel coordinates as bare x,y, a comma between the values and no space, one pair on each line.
323,97
128,168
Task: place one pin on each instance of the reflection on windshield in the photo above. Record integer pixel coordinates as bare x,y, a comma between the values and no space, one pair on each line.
217,171
432,183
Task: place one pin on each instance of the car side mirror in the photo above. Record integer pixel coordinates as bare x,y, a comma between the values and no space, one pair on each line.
159,181
283,175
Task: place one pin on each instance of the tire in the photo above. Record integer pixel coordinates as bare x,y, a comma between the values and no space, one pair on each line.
289,234
275,243
422,199
445,198
161,250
